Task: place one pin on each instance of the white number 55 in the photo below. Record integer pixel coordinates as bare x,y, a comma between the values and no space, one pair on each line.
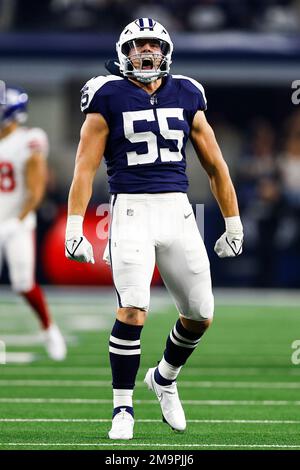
149,137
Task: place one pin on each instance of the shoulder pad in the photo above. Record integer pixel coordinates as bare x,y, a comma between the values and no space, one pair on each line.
193,82
92,86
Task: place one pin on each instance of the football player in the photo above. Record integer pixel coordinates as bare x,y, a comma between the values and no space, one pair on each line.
23,172
140,119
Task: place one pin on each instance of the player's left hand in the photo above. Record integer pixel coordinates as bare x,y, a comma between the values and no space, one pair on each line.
9,228
106,255
230,244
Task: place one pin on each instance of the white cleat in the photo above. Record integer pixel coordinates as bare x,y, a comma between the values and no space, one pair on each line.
54,343
122,426
172,411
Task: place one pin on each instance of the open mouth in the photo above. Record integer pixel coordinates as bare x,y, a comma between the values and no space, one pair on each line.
147,64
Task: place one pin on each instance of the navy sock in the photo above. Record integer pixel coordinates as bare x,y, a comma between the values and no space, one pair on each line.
117,410
179,346
124,353
159,379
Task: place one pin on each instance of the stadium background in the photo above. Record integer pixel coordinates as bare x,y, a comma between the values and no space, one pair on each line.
241,389
246,54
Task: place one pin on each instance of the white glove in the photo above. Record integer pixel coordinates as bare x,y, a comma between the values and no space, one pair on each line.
230,244
9,228
77,247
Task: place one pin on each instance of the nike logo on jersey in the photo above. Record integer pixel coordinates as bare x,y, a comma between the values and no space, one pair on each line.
186,216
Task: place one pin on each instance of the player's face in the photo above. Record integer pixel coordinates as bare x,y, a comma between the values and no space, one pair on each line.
145,54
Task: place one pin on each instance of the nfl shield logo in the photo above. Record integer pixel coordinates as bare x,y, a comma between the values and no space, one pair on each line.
153,99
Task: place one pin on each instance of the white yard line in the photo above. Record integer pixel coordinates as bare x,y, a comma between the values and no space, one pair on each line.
104,401
48,370
104,420
19,358
189,372
55,383
182,384
146,444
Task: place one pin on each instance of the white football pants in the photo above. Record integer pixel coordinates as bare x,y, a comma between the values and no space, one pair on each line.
19,252
159,228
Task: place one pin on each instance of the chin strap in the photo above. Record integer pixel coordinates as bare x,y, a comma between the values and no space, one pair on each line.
113,67
146,79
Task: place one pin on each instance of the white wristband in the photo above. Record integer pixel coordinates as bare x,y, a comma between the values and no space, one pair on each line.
233,224
74,226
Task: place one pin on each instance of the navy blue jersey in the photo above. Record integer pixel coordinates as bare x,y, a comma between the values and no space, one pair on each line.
145,150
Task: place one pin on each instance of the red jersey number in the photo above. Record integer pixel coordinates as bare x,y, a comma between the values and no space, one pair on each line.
7,177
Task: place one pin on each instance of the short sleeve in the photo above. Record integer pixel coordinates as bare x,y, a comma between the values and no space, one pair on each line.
37,141
200,93
95,95
202,105
195,91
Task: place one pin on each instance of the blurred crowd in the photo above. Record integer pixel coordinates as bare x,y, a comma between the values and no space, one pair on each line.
177,15
268,186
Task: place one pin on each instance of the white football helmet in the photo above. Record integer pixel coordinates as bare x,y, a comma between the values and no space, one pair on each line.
148,66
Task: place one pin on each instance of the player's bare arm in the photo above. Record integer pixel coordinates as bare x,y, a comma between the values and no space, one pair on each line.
210,156
35,181
90,151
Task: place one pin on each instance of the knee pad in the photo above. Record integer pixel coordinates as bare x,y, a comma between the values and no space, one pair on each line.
201,306
135,297
207,308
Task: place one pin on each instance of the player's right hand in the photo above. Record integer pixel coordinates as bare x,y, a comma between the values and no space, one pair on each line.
79,249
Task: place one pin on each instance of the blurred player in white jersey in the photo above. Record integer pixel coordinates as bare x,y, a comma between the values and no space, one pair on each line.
23,173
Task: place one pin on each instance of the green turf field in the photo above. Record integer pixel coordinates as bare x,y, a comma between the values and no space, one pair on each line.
240,389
